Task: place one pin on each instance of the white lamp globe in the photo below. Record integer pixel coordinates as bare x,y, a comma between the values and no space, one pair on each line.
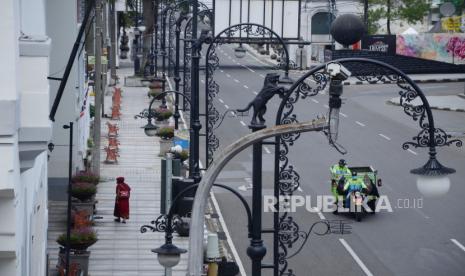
141,28
169,260
433,186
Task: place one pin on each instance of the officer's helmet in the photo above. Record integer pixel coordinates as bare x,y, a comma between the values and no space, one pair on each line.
342,162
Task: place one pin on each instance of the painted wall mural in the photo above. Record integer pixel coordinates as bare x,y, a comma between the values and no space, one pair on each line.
441,47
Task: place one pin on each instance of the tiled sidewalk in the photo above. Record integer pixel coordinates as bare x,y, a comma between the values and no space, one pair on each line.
122,249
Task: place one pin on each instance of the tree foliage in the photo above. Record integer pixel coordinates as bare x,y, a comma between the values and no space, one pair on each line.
411,11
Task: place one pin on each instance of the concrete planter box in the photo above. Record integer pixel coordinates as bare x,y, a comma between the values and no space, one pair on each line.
79,257
165,146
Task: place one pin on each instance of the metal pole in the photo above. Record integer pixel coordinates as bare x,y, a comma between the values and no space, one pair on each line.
194,118
168,194
97,86
256,250
163,40
68,214
157,6
177,79
113,41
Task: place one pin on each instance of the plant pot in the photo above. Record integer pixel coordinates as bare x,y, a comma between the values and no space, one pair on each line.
165,146
81,258
162,123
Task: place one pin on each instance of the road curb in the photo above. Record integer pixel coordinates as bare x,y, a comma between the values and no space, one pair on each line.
394,82
393,102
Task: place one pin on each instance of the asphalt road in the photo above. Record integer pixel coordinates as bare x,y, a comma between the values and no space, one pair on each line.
422,236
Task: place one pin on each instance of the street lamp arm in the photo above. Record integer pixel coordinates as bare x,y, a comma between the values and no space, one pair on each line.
191,187
161,95
195,258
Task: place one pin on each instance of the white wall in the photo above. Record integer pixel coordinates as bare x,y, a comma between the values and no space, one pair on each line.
23,162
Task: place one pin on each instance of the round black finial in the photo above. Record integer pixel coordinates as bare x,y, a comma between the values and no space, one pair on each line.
347,29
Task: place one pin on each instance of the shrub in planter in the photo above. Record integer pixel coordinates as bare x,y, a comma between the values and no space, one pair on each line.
88,177
154,92
163,114
155,84
166,133
80,238
183,155
83,190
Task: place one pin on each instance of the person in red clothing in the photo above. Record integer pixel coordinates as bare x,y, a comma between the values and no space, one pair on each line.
123,192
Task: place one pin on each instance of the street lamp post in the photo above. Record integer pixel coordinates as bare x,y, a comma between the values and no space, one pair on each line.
194,114
68,210
177,78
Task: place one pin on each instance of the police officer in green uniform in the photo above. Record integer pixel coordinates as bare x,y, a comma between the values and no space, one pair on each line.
338,171
354,183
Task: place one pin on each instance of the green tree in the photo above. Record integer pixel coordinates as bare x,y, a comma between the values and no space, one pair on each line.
411,11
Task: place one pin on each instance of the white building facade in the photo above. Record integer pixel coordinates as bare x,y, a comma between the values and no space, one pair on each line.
25,131
37,38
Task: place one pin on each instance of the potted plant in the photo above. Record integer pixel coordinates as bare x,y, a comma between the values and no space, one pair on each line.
88,177
83,190
166,135
183,156
85,193
162,115
156,88
154,92
80,240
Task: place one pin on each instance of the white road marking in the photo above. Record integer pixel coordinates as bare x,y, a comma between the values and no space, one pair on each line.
267,150
343,115
254,57
255,92
458,244
315,101
221,101
412,152
227,106
221,71
422,213
253,71
246,87
233,60
433,86
384,136
236,80
261,75
360,124
242,123
356,258
326,106
320,214
228,75
228,236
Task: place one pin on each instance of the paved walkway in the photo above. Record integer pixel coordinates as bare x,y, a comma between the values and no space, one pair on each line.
122,249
